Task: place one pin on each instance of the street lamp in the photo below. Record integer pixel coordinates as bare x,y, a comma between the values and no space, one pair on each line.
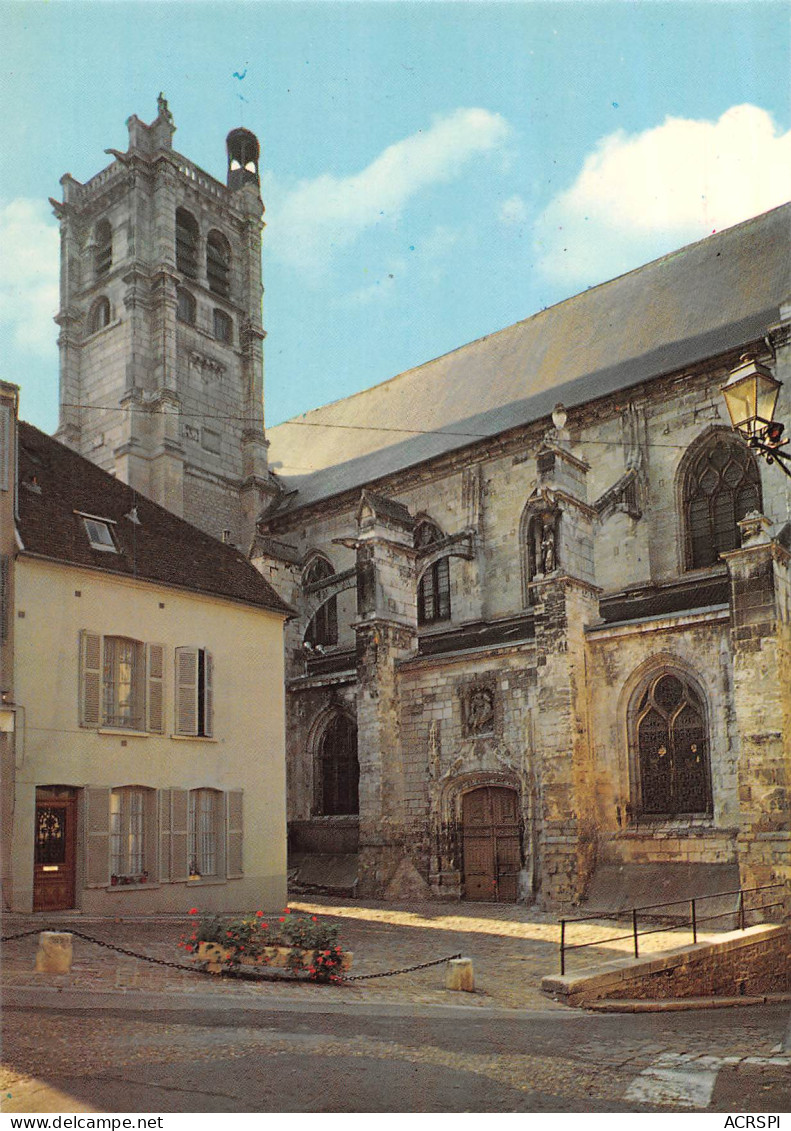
751,396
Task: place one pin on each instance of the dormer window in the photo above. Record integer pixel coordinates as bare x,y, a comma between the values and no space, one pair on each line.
100,315
99,535
103,254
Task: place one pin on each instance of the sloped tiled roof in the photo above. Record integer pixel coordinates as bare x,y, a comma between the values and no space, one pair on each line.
706,299
55,483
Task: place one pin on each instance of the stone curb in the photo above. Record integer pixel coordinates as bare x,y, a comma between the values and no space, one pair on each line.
675,1005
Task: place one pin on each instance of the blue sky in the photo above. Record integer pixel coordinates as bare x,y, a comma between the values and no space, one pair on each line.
431,172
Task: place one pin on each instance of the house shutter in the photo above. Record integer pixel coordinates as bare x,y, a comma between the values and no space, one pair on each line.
90,679
186,690
178,834
233,827
97,837
164,835
208,694
155,671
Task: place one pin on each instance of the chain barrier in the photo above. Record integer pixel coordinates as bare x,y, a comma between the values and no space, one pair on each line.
260,976
405,970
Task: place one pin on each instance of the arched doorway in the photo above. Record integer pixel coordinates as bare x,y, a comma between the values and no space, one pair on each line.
491,844
338,769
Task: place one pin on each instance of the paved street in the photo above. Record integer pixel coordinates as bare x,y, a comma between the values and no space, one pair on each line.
375,1058
120,1034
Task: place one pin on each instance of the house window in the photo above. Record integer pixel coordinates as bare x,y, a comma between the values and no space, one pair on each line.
187,237
127,832
223,327
103,253
203,838
186,307
338,769
99,535
722,483
433,593
671,748
194,692
99,316
218,264
123,683
323,628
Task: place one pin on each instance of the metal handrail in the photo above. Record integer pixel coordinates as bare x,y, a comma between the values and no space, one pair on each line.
694,919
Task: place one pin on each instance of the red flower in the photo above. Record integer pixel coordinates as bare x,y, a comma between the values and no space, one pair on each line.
193,911
189,946
286,910
313,917
281,920
229,934
259,914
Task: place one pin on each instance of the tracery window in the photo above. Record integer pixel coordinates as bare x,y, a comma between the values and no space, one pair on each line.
323,628
722,483
433,592
671,744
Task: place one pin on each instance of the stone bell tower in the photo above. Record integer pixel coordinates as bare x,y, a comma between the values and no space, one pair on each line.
161,336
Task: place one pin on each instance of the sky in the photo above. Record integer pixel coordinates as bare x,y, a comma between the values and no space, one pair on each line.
431,172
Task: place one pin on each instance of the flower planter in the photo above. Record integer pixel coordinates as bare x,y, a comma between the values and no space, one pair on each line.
216,957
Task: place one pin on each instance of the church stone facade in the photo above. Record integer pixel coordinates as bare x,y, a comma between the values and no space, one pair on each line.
543,589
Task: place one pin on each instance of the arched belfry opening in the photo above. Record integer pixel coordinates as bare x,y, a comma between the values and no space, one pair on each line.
243,153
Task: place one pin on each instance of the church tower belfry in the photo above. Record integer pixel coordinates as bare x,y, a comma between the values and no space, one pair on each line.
161,334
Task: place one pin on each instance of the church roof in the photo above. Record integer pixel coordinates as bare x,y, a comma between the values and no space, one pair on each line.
706,299
58,489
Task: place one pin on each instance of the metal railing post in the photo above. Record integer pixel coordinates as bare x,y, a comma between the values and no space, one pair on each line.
741,910
693,921
562,947
634,931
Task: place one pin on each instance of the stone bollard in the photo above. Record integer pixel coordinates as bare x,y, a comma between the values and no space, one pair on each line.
460,975
54,952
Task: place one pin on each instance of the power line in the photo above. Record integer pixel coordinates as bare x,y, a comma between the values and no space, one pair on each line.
344,427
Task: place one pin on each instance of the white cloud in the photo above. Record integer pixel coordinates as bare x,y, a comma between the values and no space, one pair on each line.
641,195
29,251
330,213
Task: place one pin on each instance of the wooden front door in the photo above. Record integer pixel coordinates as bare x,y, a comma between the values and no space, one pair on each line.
491,842
55,842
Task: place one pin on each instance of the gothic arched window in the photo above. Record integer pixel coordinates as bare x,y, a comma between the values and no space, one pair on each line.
671,748
721,484
323,628
218,264
103,253
99,316
433,591
338,769
187,237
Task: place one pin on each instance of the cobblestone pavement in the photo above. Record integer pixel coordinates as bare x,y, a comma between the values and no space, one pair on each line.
512,948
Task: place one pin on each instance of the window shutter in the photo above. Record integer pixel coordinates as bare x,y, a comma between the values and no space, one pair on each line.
178,834
90,679
5,447
97,837
233,827
208,694
164,836
186,691
155,669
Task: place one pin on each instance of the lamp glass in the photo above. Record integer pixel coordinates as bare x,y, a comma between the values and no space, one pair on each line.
767,391
741,400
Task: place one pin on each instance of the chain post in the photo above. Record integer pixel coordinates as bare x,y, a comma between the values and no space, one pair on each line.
562,947
634,931
693,921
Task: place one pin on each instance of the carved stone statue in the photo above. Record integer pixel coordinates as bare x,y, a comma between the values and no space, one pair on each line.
480,710
548,547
